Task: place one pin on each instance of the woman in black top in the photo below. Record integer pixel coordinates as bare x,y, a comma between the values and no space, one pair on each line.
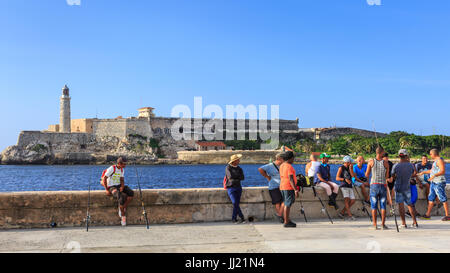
235,175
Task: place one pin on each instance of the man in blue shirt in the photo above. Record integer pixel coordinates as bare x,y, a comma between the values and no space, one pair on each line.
422,179
271,172
361,180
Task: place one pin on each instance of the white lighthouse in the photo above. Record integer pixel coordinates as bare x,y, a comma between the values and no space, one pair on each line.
64,114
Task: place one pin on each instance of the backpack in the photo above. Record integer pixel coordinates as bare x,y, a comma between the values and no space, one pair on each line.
302,182
225,180
103,175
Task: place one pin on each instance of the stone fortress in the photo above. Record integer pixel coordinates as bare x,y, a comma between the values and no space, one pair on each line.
144,138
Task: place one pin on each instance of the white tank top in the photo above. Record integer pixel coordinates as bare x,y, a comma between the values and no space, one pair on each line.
313,169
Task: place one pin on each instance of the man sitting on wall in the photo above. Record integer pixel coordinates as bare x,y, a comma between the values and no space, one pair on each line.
114,183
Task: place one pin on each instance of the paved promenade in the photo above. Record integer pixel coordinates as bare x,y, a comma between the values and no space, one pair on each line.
267,237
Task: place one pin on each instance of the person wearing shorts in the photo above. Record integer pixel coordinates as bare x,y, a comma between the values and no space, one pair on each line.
271,172
114,183
379,168
323,180
344,175
437,187
360,179
288,187
402,173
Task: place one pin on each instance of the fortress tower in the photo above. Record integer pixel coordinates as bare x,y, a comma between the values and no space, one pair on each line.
64,114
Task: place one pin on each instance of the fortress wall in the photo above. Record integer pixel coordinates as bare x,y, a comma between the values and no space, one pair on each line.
59,139
140,127
336,132
161,122
110,127
169,206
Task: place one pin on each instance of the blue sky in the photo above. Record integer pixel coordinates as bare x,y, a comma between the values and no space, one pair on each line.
340,62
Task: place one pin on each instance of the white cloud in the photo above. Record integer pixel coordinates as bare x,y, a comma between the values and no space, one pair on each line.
73,2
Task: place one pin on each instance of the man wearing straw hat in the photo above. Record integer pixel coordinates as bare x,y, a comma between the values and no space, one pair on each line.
234,176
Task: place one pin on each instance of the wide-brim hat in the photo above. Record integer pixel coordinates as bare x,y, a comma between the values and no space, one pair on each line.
234,158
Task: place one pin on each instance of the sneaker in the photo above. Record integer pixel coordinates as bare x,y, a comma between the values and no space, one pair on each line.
341,215
425,217
352,218
385,227
374,227
290,225
124,221
416,226
280,218
408,214
446,218
242,221
403,226
234,221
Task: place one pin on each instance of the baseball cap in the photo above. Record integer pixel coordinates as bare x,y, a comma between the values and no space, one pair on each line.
348,159
324,155
403,152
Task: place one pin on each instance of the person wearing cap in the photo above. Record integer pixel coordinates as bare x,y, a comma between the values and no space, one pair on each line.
288,186
323,180
114,183
360,179
402,173
234,175
379,168
345,175
437,187
271,172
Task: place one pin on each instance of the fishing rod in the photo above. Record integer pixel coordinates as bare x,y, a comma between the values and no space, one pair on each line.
144,212
393,209
323,207
302,210
88,216
363,204
387,187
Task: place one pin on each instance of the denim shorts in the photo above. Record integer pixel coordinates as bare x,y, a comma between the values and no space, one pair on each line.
403,197
437,190
414,194
288,197
378,193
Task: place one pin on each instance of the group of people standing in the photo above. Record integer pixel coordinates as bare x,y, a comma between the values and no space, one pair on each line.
379,180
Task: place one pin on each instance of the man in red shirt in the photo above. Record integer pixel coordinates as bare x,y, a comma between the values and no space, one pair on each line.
288,187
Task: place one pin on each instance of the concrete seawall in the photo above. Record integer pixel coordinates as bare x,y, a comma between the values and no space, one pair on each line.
39,209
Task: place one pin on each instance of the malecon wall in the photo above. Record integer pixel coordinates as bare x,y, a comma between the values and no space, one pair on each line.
222,157
39,209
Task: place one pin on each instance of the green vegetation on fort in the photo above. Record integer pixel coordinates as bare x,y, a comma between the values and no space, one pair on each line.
392,143
244,144
38,148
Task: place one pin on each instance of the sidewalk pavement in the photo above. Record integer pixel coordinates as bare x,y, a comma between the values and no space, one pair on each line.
225,237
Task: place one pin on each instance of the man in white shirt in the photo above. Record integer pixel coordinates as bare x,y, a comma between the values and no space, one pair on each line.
114,184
